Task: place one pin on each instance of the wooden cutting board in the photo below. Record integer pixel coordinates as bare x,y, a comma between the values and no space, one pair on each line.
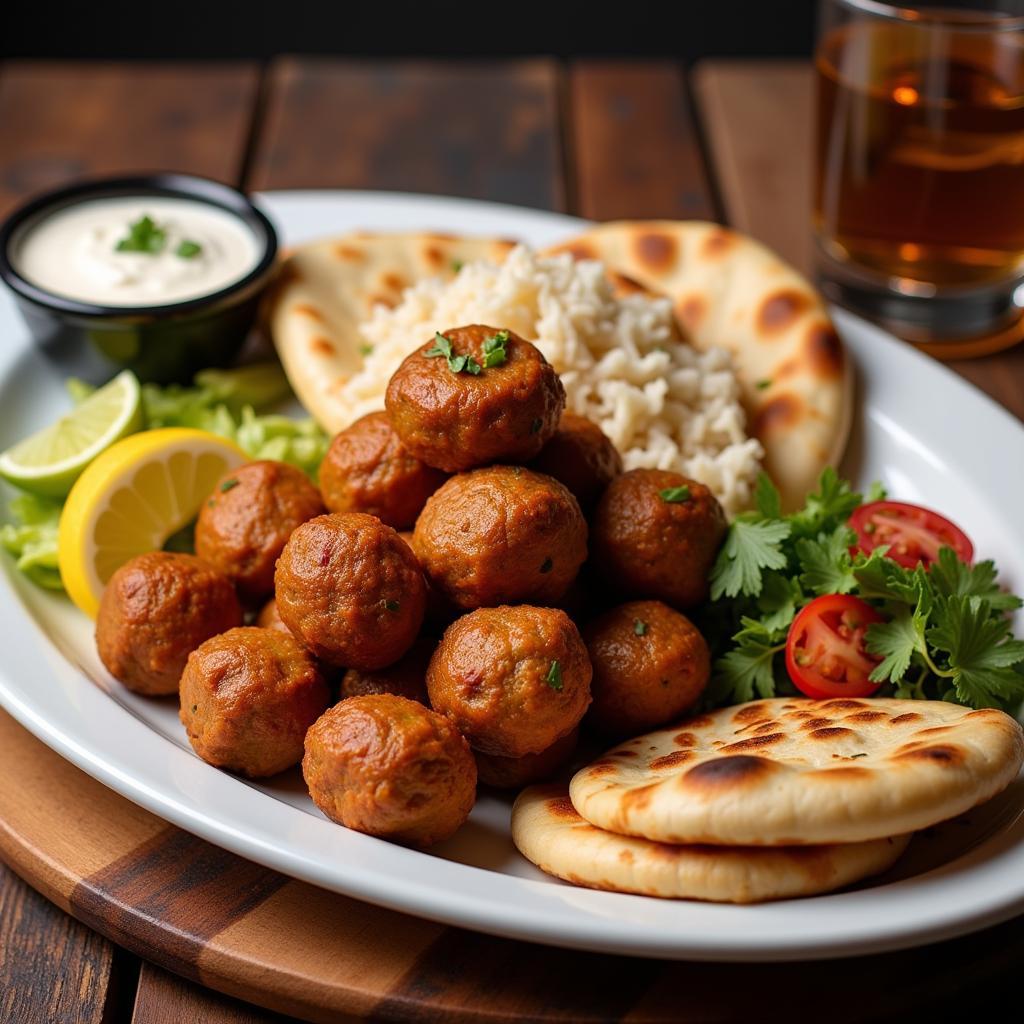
255,934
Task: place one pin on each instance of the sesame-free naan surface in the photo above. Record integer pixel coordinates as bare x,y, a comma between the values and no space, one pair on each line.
548,831
785,772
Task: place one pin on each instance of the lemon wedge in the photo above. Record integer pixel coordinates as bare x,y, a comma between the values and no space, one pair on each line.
49,462
131,498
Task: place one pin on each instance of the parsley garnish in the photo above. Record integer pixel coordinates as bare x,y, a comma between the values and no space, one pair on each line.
762,384
639,627
554,677
675,495
457,364
547,565
441,347
365,350
389,605
457,265
227,485
495,350
188,250
143,236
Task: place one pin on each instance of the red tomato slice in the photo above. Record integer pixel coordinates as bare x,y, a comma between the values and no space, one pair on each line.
825,653
914,534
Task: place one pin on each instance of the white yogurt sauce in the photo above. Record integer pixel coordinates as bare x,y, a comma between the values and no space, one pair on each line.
73,251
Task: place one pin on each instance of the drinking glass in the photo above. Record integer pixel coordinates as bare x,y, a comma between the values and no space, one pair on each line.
919,178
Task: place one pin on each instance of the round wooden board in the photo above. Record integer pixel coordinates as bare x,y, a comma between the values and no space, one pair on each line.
252,933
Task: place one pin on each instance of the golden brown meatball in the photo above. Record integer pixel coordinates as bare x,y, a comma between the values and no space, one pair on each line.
454,419
157,609
656,534
351,590
501,535
366,469
515,772
650,665
269,618
390,767
245,522
512,679
247,698
406,678
580,456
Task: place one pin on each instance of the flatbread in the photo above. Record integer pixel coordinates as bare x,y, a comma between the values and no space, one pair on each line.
727,290
548,831
785,772
324,290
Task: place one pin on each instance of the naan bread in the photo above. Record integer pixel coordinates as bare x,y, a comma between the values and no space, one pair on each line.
728,290
785,772
326,289
548,831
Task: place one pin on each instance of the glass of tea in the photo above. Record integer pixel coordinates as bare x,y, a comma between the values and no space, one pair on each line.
919,183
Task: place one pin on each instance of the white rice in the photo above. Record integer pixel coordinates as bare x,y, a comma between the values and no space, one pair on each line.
663,404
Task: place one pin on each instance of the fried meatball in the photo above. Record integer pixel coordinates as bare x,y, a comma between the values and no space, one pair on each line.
515,772
247,698
455,419
650,666
656,534
351,590
501,535
244,524
269,618
406,678
366,469
581,456
157,609
390,767
512,679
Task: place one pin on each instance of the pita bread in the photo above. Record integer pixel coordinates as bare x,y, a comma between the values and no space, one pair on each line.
548,831
727,290
786,772
326,289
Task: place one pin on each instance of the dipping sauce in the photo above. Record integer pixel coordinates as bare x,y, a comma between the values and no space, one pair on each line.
136,250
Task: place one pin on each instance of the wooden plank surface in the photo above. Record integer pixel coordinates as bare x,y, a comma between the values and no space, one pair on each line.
481,131
634,147
758,119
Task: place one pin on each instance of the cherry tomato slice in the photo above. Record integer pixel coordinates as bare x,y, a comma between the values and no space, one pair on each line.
825,653
914,534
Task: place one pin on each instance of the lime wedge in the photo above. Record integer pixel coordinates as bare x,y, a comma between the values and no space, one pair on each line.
50,461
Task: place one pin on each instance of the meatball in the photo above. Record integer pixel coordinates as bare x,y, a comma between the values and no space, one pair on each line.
247,698
406,678
580,456
244,524
650,666
656,534
351,590
366,469
157,609
456,419
390,767
501,535
270,618
513,680
515,772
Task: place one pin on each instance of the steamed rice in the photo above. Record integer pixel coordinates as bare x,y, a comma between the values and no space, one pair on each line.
663,404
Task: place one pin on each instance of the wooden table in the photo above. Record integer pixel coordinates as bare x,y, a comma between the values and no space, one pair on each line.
729,141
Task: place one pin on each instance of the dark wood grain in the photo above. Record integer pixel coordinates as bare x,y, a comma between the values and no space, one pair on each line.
635,149
482,131
63,121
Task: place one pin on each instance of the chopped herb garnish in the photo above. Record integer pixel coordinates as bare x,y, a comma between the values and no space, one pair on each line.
547,566
457,265
495,349
536,425
365,350
852,756
441,347
639,627
188,250
143,236
457,364
762,384
554,677
391,606
228,484
675,495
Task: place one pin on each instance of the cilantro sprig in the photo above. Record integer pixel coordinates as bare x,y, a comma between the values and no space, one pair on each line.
946,633
146,236
456,363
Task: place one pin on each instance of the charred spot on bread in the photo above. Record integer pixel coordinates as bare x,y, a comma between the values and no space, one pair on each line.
751,713
830,733
323,346
755,742
824,351
718,243
561,807
684,739
725,771
305,309
671,760
691,311
348,253
778,414
781,310
945,754
655,250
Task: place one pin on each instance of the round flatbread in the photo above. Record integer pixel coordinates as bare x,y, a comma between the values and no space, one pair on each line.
786,772
324,290
548,831
730,291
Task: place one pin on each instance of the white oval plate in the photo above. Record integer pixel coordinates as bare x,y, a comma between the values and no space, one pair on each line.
921,429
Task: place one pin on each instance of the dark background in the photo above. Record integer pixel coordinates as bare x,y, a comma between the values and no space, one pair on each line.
153,29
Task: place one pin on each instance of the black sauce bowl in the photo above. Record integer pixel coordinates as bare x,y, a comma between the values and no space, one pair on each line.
163,344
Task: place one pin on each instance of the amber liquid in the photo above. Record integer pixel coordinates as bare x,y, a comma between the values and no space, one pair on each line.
920,154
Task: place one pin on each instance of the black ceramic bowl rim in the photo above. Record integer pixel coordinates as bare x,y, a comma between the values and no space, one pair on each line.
185,186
